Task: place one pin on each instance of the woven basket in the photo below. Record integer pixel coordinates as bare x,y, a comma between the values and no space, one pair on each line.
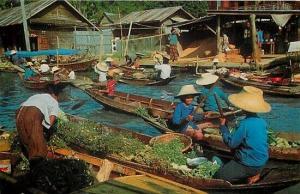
186,140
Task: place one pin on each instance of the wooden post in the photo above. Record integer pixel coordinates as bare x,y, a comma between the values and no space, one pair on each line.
101,47
160,38
255,53
121,31
105,170
75,46
25,27
218,30
127,41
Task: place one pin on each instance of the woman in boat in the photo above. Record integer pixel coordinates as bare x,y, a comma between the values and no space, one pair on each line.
248,140
44,68
101,69
184,117
163,66
35,120
208,81
173,41
29,74
128,60
111,84
137,62
110,62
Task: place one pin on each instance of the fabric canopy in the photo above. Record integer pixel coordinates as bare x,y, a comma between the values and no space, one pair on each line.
281,19
294,47
28,54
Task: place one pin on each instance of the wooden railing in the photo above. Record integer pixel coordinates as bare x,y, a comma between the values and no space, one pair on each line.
261,7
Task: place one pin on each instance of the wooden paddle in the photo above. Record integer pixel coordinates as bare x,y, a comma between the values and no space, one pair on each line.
219,105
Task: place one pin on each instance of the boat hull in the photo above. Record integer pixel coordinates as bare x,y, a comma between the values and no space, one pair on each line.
145,82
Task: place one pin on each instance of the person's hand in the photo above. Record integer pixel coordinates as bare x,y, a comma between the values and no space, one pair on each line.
222,121
189,118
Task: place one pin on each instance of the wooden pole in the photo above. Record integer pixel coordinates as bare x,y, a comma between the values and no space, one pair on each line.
25,27
127,41
121,31
218,31
255,53
101,47
160,38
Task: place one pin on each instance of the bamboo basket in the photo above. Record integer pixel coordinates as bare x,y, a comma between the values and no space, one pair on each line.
186,140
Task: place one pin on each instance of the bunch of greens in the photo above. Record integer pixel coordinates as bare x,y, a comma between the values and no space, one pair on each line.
276,141
143,112
205,170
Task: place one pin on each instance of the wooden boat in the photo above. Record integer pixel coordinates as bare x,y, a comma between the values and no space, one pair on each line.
129,179
272,179
145,82
81,65
287,91
39,84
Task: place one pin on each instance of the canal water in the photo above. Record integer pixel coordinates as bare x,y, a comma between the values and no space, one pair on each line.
284,116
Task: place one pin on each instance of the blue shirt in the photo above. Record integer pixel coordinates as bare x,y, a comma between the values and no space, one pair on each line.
173,39
210,102
260,36
181,112
249,141
28,73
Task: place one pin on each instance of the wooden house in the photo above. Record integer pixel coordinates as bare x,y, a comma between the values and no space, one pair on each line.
51,24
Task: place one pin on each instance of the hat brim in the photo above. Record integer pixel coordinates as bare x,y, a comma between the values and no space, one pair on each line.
103,69
249,104
191,94
204,82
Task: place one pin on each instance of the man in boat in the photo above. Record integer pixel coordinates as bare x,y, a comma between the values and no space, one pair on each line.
110,62
29,74
184,117
137,61
35,120
101,69
208,81
14,58
248,140
162,64
128,60
44,68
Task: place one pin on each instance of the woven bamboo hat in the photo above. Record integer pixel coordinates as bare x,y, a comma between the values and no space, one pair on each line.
102,67
216,60
158,58
250,99
187,90
207,79
109,59
54,69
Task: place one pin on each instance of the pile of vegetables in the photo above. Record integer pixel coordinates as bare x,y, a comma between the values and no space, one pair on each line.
99,139
280,142
4,64
143,112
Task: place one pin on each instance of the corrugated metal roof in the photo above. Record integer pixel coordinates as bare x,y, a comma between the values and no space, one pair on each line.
13,15
152,15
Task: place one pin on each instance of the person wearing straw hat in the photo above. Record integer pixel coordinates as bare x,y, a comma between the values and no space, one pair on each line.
163,66
208,81
137,61
29,73
44,68
101,69
249,140
109,61
184,117
111,85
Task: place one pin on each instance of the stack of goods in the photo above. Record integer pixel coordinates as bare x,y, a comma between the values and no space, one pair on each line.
6,65
99,139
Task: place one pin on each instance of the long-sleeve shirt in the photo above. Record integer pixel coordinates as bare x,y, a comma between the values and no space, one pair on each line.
28,73
173,39
180,114
165,70
102,75
210,102
249,141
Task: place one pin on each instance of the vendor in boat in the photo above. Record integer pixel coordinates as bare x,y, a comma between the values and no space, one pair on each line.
101,69
111,84
128,60
184,117
248,140
14,58
44,68
208,81
110,62
35,120
29,74
162,65
137,61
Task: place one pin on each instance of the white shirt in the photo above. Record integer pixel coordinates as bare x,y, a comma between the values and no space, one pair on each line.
46,104
102,75
72,75
44,68
165,70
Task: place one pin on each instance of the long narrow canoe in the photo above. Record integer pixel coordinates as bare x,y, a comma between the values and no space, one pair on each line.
38,84
81,65
272,179
145,82
287,91
129,103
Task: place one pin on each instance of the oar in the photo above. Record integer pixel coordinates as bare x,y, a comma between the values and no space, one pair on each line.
219,105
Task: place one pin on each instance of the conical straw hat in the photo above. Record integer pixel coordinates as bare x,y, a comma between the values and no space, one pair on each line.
158,58
207,79
250,99
187,90
109,59
102,67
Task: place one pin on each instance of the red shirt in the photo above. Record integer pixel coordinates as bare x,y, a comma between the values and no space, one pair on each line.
111,85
